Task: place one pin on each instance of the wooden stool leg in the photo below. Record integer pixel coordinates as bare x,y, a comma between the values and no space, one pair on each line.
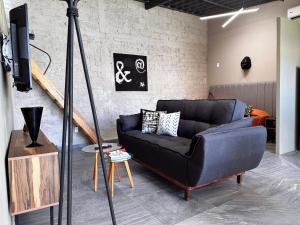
112,171
96,172
129,173
118,172
109,173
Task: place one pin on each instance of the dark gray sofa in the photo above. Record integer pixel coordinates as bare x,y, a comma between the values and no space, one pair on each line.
214,142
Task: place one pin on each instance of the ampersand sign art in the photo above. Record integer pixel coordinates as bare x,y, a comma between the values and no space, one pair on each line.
130,72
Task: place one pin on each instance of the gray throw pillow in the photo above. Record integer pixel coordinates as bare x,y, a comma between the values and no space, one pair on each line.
168,124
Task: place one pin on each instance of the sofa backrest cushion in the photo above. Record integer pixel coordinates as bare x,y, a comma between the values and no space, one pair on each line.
207,111
199,115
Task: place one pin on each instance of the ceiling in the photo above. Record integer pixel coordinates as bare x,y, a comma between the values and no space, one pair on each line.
203,7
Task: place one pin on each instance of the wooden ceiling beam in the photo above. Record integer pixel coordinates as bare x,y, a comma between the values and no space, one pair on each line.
152,3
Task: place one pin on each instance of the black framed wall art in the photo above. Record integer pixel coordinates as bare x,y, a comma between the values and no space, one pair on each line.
130,72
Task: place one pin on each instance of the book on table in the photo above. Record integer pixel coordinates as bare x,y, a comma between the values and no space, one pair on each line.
119,155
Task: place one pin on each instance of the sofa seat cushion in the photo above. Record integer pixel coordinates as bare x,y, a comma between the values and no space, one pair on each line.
163,153
179,145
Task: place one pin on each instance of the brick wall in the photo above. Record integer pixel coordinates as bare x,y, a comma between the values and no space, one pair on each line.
175,44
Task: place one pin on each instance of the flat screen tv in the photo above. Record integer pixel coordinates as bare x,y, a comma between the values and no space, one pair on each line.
20,48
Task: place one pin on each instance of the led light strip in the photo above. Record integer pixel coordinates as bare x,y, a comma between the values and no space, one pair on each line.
233,17
241,11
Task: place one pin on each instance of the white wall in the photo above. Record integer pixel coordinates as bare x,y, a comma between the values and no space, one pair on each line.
175,44
6,124
288,61
253,35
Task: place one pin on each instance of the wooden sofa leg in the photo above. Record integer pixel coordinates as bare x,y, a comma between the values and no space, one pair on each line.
187,194
239,178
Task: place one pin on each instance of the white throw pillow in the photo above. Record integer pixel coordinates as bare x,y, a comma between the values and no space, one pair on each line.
168,124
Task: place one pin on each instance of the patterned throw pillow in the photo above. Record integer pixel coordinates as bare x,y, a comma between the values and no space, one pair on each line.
150,121
168,124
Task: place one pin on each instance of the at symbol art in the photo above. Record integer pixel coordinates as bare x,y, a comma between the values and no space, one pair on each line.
130,72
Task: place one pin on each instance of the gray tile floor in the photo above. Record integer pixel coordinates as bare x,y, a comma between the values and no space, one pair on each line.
269,195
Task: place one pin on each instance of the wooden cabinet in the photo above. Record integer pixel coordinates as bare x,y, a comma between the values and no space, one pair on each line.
33,174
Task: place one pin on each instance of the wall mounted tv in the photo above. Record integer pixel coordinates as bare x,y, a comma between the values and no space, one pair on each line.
20,48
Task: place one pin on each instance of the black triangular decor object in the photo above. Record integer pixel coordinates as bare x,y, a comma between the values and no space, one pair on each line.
33,116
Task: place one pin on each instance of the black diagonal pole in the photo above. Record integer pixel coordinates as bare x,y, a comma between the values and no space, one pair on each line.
92,102
72,14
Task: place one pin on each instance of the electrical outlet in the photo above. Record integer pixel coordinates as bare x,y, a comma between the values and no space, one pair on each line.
76,129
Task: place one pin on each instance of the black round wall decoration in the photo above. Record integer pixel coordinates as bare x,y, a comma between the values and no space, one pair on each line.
246,63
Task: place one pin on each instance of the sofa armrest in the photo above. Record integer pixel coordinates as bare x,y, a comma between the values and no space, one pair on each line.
219,154
229,126
127,123
130,122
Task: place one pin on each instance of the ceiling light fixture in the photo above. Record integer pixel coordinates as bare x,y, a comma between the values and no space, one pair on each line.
233,17
232,14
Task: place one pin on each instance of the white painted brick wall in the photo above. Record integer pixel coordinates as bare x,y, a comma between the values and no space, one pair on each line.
175,44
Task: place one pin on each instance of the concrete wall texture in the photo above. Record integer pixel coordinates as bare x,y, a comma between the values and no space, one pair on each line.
253,35
175,44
